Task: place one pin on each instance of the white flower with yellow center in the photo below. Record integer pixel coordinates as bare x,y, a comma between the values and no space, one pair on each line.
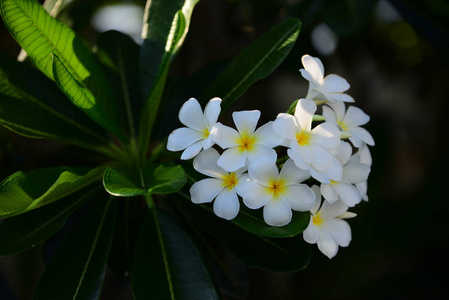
310,149
220,187
322,89
196,136
354,172
278,192
246,144
349,121
327,227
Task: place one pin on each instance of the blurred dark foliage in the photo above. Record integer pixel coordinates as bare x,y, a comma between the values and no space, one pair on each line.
398,73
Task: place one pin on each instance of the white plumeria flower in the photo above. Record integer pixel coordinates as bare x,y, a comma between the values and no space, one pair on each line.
310,149
196,136
278,192
220,187
330,88
349,121
354,172
247,144
365,158
327,227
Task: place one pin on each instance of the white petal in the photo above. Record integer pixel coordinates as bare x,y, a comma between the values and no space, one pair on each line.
355,172
264,171
208,142
277,213
333,210
322,159
298,160
204,191
340,231
226,205
305,108
327,245
363,189
291,174
246,121
355,117
254,195
285,126
192,151
212,111
329,193
314,67
365,155
335,173
339,108
348,193
344,152
192,116
260,151
321,177
334,83
311,233
339,97
232,159
317,203
300,197
182,138
359,133
206,163
303,151
265,135
225,136
329,115
327,134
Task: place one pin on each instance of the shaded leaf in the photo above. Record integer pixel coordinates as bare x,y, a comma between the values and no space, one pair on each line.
254,62
167,264
22,192
77,268
23,232
280,255
162,178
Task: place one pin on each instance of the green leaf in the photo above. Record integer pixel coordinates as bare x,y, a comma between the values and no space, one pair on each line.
77,268
120,55
347,17
162,178
40,35
252,221
23,232
83,98
167,264
32,105
22,192
166,24
279,255
253,63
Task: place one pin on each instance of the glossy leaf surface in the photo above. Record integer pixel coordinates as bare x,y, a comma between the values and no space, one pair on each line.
23,232
167,264
77,268
22,192
152,179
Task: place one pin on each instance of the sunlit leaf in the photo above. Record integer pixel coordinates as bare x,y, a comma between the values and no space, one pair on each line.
22,192
167,264
77,268
23,232
152,179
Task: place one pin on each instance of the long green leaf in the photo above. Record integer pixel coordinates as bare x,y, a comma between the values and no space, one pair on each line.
253,63
82,97
76,270
39,35
167,264
151,179
31,105
23,232
22,192
280,255
166,24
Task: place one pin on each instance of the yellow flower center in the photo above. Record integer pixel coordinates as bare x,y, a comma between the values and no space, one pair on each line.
276,188
206,133
317,220
246,143
303,138
230,181
343,126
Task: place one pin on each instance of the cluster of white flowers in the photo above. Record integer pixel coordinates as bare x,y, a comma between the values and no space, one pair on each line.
328,150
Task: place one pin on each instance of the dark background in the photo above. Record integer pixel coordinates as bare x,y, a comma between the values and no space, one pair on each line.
398,71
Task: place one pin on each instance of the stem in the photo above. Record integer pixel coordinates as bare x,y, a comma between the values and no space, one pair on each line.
129,113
